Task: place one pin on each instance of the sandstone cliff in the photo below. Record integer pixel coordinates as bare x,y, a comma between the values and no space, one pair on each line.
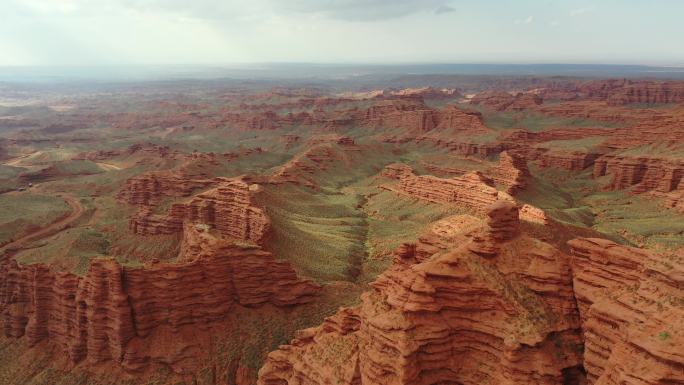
504,101
511,172
630,303
149,189
644,173
619,91
113,313
226,208
473,190
445,315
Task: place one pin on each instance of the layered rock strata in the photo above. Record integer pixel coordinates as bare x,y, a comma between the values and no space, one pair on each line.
643,173
567,160
504,101
226,208
632,311
511,172
472,190
107,315
150,189
448,317
503,224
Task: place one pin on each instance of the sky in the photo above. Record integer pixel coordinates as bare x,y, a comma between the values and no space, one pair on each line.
216,32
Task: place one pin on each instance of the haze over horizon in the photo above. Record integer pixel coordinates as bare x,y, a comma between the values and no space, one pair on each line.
205,32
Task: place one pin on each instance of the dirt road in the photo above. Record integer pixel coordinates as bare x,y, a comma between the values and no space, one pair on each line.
49,230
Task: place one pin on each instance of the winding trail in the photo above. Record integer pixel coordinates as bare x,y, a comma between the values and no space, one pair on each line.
53,228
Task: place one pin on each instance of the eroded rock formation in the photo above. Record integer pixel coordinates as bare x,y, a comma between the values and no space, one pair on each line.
504,101
503,224
108,314
444,315
632,313
473,190
150,189
567,160
618,91
644,173
227,208
511,172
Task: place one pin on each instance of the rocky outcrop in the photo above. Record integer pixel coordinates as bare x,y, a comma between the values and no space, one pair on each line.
302,168
624,91
533,214
150,189
567,160
456,119
464,146
426,93
397,171
511,172
448,317
416,117
504,101
110,314
630,303
473,190
643,173
503,224
481,150
619,91
400,113
227,208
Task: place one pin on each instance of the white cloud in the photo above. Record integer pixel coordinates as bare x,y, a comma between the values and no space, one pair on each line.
581,11
527,20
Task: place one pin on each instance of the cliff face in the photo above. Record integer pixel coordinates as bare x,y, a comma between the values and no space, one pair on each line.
521,312
570,161
512,172
445,315
226,208
150,189
643,173
630,303
504,101
472,190
107,315
620,91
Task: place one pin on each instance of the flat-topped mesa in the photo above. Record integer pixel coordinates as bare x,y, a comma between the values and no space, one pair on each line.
511,172
442,315
473,190
630,303
503,224
125,315
415,117
407,113
226,208
454,118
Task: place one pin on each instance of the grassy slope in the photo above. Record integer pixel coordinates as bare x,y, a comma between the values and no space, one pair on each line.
20,212
578,199
531,121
